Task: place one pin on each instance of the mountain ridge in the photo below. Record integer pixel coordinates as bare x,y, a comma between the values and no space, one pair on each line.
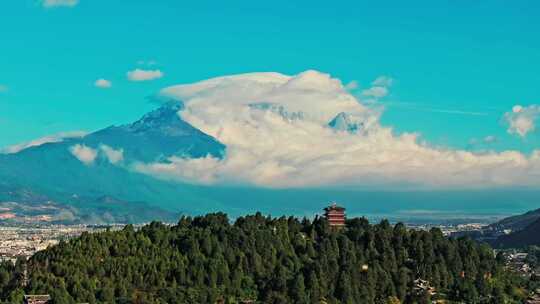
526,237
517,222
53,173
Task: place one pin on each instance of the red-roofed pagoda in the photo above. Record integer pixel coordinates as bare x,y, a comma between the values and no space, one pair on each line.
335,215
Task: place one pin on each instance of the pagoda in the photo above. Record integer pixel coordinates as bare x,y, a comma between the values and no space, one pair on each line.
335,215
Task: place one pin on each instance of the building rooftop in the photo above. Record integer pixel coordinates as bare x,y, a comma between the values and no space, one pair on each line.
333,207
37,299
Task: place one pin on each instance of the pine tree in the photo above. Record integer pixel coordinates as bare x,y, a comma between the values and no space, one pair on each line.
298,292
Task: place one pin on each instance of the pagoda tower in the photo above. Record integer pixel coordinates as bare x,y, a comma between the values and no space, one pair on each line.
335,215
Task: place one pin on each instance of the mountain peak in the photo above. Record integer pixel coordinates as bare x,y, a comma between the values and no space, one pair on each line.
157,135
344,122
164,119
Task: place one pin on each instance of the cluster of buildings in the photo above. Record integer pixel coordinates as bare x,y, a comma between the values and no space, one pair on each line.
479,232
37,299
23,241
517,262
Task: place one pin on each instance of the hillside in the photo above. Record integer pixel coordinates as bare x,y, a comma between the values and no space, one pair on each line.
526,237
267,260
518,222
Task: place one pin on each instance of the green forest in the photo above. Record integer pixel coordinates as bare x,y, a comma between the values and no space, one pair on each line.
259,259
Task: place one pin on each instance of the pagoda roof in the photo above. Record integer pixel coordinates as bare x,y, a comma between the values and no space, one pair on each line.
334,207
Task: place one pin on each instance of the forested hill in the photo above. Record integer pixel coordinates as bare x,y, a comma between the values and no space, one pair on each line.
526,237
517,222
265,260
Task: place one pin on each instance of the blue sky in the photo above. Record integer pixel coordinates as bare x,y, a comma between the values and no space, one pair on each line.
457,66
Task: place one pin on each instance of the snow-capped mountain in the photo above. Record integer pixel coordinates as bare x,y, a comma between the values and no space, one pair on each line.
251,142
79,172
157,135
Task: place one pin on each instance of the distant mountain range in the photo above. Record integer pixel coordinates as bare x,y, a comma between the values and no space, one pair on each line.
91,179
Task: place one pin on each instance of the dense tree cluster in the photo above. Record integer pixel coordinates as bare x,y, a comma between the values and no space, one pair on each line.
265,260
533,258
11,278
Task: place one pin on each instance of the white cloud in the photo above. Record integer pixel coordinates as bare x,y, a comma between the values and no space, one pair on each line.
83,153
353,85
57,3
103,83
276,131
522,120
383,81
144,75
112,155
43,140
377,92
379,87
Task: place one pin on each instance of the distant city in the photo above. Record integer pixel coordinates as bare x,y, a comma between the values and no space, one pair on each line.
24,240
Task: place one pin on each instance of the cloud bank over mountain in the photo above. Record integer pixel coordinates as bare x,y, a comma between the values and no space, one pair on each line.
307,130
